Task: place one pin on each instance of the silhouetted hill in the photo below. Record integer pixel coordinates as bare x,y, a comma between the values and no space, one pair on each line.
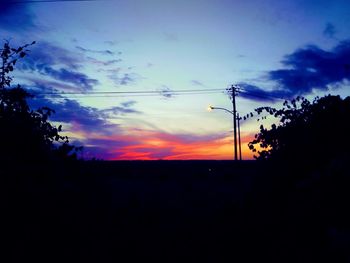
175,211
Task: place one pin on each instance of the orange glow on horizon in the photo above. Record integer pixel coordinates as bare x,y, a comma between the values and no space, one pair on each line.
138,144
165,146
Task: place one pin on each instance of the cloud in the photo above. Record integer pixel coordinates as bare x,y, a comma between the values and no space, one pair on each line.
305,70
40,85
47,54
111,43
128,104
119,110
84,119
70,111
197,83
166,92
76,78
313,68
103,63
329,30
125,78
258,94
102,52
15,16
59,64
171,37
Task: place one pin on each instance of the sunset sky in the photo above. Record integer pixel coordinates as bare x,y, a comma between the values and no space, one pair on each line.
156,50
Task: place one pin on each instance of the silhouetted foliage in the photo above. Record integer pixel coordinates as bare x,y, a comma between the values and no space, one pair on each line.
310,132
26,134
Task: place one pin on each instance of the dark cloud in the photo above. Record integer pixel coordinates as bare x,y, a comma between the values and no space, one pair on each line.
102,52
84,118
256,93
59,64
196,82
76,78
166,92
119,110
128,104
306,69
171,37
15,16
47,54
103,63
41,85
313,68
125,79
329,30
111,43
68,111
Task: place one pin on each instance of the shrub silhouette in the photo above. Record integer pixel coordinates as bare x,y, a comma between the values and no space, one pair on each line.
26,134
312,133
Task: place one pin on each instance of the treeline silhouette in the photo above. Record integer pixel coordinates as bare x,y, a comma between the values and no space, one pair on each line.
308,134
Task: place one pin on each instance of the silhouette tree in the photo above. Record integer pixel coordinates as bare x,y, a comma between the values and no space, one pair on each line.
312,133
26,134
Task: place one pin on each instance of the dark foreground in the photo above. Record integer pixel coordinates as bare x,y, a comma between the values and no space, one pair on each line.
204,211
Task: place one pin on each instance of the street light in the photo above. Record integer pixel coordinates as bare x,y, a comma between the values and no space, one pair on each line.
210,108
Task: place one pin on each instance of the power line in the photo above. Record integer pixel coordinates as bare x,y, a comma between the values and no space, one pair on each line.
163,92
80,96
148,93
145,93
117,94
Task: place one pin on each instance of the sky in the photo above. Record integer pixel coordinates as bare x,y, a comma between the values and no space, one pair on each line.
132,79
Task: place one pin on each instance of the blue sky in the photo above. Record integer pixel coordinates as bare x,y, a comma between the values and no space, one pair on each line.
270,48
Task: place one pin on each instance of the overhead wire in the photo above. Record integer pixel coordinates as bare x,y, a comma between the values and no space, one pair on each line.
131,92
113,94
145,93
148,93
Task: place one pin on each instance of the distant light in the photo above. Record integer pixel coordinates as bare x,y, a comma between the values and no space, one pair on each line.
210,108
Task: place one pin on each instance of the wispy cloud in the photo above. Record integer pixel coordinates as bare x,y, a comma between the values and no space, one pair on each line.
119,110
47,54
329,31
103,62
165,92
58,64
102,52
171,37
196,82
85,119
65,75
120,78
111,43
70,111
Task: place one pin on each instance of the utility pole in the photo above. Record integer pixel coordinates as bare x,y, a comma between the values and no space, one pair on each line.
239,137
233,94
